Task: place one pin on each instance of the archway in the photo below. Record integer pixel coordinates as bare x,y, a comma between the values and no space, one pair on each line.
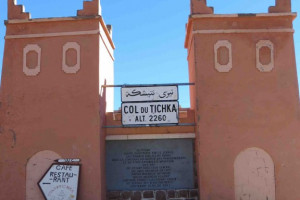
35,168
254,175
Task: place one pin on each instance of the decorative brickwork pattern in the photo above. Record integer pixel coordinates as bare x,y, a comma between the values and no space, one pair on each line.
154,195
32,71
221,67
264,67
71,69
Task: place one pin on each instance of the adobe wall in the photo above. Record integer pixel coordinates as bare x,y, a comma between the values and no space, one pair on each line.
246,96
50,97
243,120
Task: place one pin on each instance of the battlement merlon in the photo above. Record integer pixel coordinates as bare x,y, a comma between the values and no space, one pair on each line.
200,7
282,6
16,11
90,8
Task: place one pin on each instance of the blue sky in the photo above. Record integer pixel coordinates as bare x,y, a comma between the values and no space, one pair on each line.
149,35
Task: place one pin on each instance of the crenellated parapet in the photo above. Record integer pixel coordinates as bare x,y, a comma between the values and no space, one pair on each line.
200,7
90,8
281,6
16,11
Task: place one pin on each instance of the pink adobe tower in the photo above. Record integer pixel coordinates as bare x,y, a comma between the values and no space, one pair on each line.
246,103
51,101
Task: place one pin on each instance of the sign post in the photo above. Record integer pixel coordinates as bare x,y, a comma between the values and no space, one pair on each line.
60,182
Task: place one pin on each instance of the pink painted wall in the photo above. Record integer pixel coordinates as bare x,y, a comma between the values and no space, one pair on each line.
244,107
54,109
238,106
36,167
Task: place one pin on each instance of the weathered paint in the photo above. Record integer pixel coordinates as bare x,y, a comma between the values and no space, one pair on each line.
254,175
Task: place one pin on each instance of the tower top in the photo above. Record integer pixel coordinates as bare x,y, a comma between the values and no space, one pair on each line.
200,7
90,8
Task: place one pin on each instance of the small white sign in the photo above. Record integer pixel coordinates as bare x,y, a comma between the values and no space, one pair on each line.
60,182
147,113
68,160
157,93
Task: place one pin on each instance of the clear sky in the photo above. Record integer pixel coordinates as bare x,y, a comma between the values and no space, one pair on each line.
148,35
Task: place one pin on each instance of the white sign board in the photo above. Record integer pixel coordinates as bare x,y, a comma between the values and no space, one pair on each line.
157,93
60,182
68,160
147,113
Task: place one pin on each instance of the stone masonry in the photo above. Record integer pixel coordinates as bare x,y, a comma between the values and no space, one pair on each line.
154,195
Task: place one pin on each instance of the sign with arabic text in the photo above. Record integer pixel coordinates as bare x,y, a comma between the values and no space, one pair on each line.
147,113
60,182
155,93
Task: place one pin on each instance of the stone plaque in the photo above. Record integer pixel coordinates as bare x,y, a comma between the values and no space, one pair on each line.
149,164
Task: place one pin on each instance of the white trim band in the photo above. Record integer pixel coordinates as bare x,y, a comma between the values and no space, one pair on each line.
151,136
39,35
243,15
60,34
229,31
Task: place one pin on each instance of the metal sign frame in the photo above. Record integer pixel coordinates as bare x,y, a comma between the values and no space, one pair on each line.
149,85
78,182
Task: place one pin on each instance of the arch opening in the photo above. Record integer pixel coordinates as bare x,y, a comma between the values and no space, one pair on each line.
36,166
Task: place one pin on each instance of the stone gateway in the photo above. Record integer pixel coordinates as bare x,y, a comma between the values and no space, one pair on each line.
238,140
